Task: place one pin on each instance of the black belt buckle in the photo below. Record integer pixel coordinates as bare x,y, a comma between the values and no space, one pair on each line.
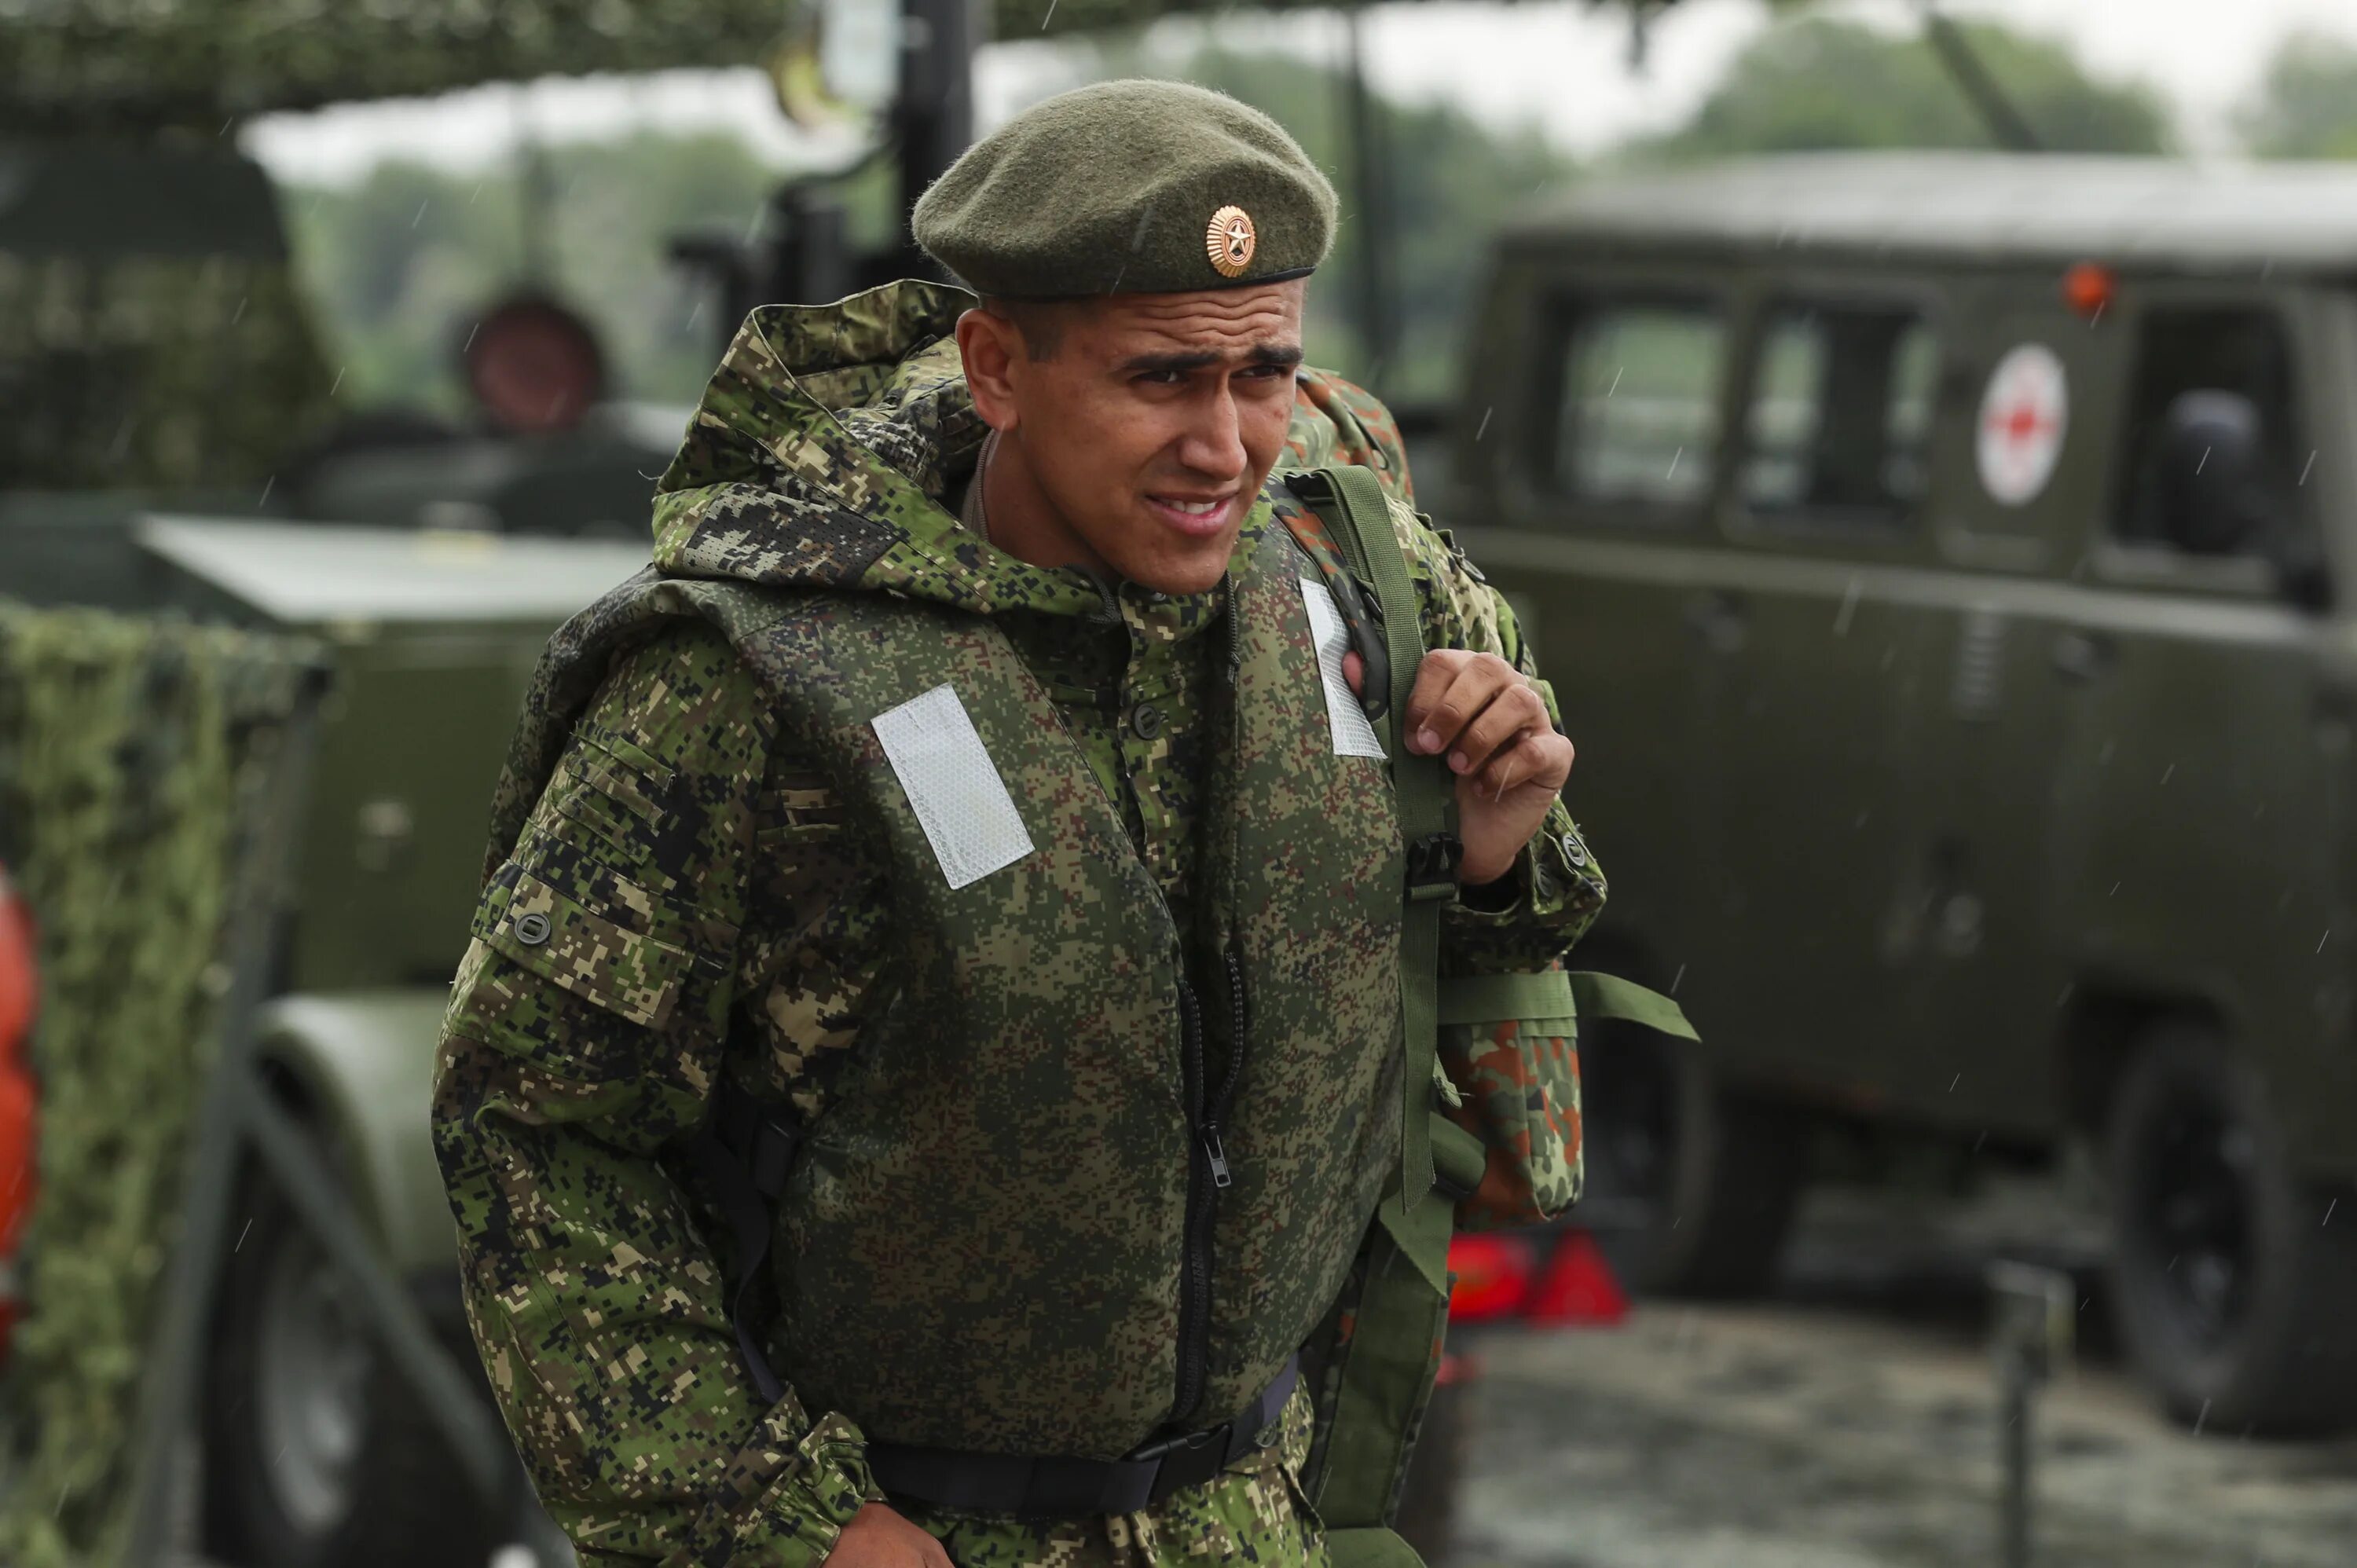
1185,1461
1432,862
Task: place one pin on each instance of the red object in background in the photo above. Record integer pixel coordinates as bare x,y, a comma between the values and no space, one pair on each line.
1556,1280
1577,1286
2088,288
1493,1275
17,988
534,366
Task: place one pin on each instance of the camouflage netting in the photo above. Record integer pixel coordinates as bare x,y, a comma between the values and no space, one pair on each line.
159,372
132,753
199,62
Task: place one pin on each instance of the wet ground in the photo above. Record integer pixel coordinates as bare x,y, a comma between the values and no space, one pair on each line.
1852,1421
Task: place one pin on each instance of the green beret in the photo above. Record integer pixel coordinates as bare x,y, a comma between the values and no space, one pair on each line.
1128,187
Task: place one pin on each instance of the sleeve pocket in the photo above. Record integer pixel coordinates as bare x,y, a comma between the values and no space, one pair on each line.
633,975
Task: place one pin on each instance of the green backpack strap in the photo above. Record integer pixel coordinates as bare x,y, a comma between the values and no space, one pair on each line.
1386,1364
1609,997
1350,501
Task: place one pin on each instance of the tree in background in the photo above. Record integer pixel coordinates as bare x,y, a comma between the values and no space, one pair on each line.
2306,103
401,264
1817,83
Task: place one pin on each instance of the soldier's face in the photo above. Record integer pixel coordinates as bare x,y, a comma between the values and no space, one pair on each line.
1149,428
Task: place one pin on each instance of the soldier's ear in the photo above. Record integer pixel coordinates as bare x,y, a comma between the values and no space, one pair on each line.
990,345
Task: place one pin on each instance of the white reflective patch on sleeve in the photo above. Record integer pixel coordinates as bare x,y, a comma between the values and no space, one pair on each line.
1353,736
968,817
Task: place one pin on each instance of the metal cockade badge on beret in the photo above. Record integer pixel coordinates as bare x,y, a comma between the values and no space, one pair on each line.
1230,241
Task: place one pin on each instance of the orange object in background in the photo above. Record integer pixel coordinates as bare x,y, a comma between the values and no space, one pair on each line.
2088,288
18,986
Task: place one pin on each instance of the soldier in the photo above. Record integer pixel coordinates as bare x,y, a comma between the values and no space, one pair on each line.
919,1076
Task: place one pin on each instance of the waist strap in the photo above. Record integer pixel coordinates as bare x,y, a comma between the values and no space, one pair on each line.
1075,1488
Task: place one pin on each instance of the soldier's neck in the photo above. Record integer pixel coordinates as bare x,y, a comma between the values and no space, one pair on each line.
1023,521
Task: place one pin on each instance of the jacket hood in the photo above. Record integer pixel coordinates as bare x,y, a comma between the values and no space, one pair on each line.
825,454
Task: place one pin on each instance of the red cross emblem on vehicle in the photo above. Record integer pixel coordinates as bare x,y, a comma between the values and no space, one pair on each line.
2023,416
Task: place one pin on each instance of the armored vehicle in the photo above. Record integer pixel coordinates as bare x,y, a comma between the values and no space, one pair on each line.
1943,561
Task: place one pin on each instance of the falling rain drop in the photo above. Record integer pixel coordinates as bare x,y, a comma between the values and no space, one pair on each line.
1483,427
1848,606
2304,467
421,213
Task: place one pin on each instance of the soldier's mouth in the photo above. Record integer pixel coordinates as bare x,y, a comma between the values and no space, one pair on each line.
1197,515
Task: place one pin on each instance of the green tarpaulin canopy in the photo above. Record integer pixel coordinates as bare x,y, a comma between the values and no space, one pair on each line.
139,63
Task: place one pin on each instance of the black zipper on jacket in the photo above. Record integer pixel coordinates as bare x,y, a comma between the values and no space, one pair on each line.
1195,1268
1208,1173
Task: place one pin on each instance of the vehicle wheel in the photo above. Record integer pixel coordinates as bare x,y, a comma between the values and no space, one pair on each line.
2230,1288
1691,1186
1427,1514
316,1454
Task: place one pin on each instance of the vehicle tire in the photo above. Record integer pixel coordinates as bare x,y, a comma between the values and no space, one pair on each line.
316,1453
1691,1186
1427,1514
2230,1287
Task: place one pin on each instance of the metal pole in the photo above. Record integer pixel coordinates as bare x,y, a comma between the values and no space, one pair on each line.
2014,1510
934,120
2031,1339
2006,125
1370,195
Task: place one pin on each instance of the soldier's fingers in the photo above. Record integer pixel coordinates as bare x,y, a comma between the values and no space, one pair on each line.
1427,731
1509,714
1538,755
1460,688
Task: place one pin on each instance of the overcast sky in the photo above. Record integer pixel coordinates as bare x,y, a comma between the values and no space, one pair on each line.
1562,65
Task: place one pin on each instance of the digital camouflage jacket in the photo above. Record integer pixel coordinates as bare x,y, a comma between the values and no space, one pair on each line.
704,865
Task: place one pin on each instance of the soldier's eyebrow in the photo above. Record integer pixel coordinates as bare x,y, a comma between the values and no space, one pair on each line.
1285,356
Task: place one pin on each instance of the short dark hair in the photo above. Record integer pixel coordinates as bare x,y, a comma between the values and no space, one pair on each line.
1041,322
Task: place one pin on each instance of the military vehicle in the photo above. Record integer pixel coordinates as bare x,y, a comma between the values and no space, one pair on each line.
1941,559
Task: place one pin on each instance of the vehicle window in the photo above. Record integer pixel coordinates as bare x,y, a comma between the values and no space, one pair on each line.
1637,421
2213,456
1840,413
